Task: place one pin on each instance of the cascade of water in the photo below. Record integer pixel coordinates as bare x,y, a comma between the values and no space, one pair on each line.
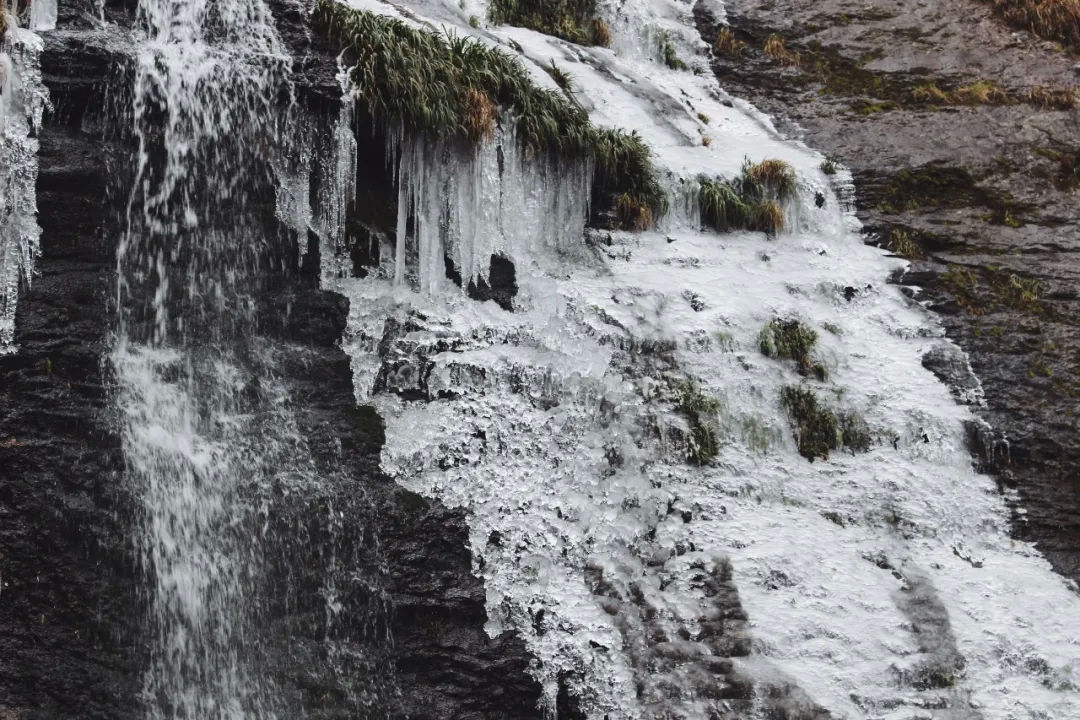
22,101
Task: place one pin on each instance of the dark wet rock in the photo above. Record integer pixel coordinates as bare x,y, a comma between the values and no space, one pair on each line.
951,366
986,192
72,640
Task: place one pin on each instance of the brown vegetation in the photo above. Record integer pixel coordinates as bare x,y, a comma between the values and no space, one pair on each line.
1051,19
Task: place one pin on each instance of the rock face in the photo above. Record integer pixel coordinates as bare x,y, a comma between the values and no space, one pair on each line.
72,643
961,135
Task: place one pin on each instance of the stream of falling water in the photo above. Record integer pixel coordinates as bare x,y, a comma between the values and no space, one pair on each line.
204,423
239,528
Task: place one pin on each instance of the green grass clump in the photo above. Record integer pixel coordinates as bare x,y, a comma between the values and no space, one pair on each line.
817,429
573,20
454,87
790,339
754,201
722,207
668,53
624,170
560,76
700,411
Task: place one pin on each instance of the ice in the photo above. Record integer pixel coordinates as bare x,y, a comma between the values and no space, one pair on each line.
23,98
864,577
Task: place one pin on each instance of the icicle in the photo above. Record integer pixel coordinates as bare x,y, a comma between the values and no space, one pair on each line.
22,101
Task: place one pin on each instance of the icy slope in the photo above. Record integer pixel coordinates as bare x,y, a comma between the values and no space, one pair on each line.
881,584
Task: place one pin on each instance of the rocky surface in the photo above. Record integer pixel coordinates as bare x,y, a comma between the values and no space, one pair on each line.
976,184
71,642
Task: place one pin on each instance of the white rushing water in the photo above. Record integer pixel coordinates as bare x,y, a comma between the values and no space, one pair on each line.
206,426
22,101
881,584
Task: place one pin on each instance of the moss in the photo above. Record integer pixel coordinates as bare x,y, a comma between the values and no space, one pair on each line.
573,20
816,428
700,412
936,186
866,107
790,339
1067,173
453,87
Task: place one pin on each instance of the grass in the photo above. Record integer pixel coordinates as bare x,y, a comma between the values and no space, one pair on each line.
560,76
728,45
986,92
1057,20
700,411
754,201
901,242
828,166
775,48
981,92
722,207
573,20
454,87
624,168
816,428
1050,98
790,339
774,179
668,53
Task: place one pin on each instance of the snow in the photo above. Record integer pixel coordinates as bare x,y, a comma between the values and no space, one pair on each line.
554,427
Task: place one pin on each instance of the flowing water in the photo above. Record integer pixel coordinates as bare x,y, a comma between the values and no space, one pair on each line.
877,584
211,437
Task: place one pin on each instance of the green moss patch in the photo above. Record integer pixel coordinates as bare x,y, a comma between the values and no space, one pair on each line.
573,20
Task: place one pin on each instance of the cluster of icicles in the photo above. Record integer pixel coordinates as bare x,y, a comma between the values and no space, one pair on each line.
454,205
22,101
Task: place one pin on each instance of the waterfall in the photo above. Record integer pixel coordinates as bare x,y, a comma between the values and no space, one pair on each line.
211,437
22,101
